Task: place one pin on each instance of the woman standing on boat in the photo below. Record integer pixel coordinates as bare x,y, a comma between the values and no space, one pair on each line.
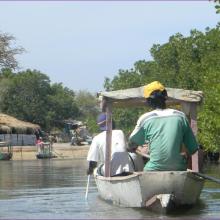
165,130
120,162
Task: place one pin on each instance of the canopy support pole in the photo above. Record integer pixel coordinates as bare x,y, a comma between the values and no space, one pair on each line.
190,109
196,158
108,139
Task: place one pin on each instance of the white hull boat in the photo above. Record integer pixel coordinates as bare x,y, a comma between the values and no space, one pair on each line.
158,191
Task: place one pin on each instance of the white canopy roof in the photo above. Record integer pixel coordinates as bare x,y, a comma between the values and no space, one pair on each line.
134,96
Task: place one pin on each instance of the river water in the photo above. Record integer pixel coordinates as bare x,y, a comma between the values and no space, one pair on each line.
55,189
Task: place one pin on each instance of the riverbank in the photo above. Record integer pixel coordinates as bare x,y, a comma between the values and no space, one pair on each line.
61,150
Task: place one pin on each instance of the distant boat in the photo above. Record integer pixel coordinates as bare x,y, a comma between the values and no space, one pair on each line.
5,151
6,156
45,151
45,156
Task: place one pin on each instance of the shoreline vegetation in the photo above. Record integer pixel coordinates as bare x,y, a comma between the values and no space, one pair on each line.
61,150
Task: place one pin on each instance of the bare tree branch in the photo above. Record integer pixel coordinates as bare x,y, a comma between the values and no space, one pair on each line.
8,51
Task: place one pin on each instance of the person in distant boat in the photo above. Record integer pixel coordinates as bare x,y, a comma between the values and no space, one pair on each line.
38,134
165,131
120,162
40,144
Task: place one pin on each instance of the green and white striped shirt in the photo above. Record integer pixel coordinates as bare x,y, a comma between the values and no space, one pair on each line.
165,131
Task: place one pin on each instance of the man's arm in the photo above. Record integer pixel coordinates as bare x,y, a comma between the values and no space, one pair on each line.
92,166
93,156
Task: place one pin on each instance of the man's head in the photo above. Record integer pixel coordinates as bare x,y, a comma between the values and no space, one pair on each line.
101,122
156,95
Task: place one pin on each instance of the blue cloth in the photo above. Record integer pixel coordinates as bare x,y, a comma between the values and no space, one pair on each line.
101,121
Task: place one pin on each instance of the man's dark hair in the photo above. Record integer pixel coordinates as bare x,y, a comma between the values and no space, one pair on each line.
157,99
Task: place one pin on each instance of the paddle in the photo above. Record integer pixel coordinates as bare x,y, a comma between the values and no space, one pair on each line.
60,155
207,177
197,174
87,187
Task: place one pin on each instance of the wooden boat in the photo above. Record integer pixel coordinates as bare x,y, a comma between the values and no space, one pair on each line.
6,156
45,151
157,191
5,151
160,191
45,156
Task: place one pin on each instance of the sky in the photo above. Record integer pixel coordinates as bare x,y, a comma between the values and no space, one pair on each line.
79,43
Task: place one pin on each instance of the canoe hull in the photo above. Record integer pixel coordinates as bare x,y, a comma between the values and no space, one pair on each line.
45,156
6,156
145,189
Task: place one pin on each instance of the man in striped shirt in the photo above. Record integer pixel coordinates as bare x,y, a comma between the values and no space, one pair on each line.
165,131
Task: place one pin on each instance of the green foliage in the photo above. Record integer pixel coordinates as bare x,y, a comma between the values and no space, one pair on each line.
26,98
217,6
91,124
179,61
191,62
87,103
29,96
61,105
209,120
125,119
88,109
5,83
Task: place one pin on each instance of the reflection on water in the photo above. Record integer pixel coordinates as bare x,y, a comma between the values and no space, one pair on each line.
55,189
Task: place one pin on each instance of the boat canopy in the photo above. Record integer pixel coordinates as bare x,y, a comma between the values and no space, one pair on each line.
188,99
134,96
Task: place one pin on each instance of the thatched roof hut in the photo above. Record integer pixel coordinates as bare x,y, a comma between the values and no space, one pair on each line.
9,124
